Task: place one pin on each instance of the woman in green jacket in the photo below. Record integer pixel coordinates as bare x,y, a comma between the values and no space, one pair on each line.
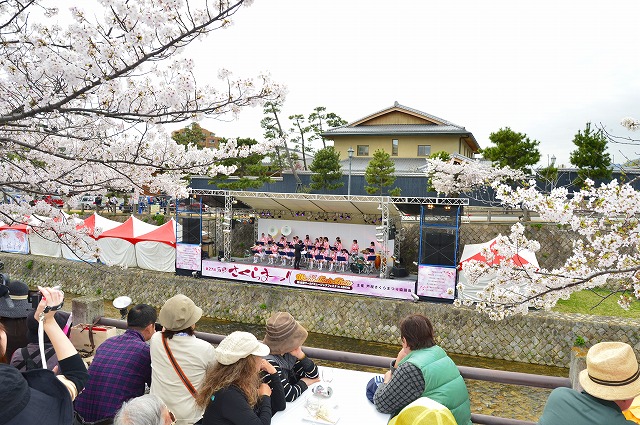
422,369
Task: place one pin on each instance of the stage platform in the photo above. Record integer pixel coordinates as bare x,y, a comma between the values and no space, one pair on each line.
244,269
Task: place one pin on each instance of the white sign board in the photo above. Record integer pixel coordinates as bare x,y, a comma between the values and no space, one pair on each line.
436,282
188,256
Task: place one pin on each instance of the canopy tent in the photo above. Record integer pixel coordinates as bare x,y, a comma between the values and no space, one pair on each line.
13,238
117,245
41,245
475,252
156,250
91,224
95,221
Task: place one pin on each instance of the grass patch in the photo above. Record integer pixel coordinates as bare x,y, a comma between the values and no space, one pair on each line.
586,302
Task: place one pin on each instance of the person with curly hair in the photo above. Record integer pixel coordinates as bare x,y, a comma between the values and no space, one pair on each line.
232,391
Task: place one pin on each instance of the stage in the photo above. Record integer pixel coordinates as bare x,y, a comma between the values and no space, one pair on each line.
244,269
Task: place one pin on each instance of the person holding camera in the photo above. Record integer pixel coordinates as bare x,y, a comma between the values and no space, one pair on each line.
14,309
28,357
25,396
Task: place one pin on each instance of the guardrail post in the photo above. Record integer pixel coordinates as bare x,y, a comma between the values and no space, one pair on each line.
577,364
87,309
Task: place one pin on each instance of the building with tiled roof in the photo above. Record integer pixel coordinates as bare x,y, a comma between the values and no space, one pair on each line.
407,134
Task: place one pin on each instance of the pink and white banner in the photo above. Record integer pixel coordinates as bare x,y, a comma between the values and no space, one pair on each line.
436,281
310,279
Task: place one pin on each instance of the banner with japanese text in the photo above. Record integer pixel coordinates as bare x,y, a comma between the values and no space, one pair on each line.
436,281
311,279
188,256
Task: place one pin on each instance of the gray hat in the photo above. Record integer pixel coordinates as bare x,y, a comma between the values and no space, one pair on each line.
284,333
179,313
15,305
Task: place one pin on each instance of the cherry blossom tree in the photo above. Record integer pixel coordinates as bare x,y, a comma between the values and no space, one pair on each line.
86,93
602,222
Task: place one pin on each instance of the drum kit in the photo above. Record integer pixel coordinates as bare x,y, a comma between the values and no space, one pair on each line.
357,263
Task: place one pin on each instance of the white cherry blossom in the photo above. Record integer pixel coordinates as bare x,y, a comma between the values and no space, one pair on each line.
85,95
603,224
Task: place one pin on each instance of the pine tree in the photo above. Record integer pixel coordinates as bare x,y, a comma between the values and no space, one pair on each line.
252,173
380,174
326,169
590,157
317,120
512,149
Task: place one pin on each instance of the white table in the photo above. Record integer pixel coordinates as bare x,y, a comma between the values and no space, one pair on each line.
349,393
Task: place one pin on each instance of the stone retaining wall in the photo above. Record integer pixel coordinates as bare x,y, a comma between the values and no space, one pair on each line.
540,337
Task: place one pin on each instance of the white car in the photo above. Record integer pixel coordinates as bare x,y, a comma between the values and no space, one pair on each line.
87,202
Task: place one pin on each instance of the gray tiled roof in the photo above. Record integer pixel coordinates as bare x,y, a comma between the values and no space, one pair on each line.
391,129
403,165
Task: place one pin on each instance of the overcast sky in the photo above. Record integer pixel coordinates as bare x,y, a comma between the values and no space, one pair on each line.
543,68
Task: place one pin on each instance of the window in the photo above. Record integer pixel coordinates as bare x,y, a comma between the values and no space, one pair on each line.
394,147
363,150
424,150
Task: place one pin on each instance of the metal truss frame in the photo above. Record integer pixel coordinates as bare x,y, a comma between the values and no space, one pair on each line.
384,207
429,200
388,217
226,227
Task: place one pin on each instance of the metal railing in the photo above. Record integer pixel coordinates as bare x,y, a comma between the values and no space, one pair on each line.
467,372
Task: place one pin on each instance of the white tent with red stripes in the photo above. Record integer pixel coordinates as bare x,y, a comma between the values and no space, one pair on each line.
156,250
476,252
117,245
93,224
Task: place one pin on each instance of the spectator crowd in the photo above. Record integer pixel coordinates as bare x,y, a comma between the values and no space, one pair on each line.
146,376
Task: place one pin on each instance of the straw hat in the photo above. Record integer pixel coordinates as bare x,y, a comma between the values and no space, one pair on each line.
284,333
424,411
238,345
179,313
612,372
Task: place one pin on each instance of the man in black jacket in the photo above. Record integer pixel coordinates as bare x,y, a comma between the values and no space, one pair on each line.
298,246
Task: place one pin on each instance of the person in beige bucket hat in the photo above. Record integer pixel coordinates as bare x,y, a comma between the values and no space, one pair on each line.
176,350
610,383
285,337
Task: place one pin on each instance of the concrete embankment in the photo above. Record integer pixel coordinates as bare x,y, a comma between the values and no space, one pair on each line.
539,337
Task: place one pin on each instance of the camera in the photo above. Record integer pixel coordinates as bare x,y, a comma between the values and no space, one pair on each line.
34,298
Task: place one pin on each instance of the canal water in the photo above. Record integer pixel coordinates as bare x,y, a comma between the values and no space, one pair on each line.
488,398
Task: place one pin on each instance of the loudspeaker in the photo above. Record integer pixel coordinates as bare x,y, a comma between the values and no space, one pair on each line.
399,272
190,230
438,247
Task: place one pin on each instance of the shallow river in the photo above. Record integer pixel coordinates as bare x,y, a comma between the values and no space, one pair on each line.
509,401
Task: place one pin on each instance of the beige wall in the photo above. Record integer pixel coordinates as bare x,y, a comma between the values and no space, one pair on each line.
407,145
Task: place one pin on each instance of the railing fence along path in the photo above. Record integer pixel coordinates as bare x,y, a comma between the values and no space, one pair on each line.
476,373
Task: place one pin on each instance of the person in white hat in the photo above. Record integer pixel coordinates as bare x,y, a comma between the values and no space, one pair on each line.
610,383
191,356
232,391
